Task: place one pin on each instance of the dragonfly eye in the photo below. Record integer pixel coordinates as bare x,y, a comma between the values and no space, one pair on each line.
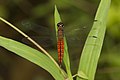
60,24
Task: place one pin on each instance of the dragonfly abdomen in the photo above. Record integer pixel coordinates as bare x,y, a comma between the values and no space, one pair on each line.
60,45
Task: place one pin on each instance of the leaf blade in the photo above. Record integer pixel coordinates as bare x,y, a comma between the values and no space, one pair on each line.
93,45
66,54
32,55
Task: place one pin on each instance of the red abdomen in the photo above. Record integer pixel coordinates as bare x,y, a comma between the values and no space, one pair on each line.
60,46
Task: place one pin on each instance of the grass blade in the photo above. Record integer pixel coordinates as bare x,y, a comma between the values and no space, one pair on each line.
93,45
32,55
30,39
66,55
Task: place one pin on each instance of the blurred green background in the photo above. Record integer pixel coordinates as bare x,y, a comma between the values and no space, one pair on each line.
36,18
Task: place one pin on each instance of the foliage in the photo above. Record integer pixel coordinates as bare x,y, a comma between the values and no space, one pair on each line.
79,12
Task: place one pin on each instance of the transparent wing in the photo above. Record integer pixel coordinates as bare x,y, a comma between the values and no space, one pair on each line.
75,34
41,34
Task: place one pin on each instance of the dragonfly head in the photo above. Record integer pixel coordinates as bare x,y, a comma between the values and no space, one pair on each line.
60,24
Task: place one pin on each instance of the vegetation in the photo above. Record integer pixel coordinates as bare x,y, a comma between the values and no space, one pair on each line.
90,53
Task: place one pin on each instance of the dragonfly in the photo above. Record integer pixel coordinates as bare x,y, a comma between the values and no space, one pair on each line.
60,42
42,35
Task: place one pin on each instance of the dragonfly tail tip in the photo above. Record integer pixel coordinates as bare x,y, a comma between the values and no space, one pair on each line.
60,65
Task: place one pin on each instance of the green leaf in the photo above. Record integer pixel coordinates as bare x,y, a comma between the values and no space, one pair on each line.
93,45
32,55
82,75
66,54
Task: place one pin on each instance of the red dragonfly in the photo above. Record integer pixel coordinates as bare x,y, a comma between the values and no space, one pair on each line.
60,42
44,37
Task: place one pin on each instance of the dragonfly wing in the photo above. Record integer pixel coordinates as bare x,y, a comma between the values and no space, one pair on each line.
45,42
29,26
38,33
